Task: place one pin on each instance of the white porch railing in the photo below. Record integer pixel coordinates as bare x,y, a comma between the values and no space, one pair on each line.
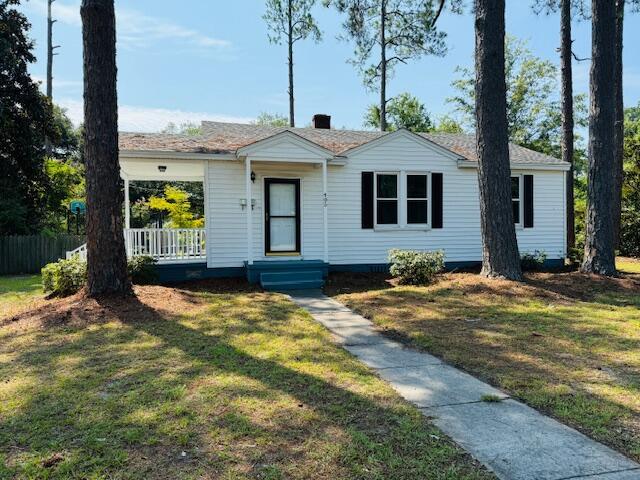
80,252
166,244
163,244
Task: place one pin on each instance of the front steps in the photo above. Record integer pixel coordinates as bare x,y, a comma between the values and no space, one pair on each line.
287,275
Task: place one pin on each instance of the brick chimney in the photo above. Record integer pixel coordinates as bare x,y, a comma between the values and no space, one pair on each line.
321,120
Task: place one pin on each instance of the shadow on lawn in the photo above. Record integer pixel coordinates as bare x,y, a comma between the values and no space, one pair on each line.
535,341
129,393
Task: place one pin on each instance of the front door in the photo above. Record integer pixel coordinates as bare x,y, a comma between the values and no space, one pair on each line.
282,216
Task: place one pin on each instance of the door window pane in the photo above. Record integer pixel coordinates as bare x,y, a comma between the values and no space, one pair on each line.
417,211
387,186
282,199
283,234
387,212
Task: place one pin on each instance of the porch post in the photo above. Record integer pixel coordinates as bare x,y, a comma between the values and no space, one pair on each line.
325,219
127,206
247,164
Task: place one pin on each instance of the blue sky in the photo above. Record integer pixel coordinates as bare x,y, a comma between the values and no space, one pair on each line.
210,59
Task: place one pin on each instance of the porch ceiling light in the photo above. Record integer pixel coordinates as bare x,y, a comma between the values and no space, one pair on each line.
162,168
253,177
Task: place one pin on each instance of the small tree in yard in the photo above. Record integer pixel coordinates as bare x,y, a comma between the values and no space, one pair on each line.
176,203
106,257
292,21
500,257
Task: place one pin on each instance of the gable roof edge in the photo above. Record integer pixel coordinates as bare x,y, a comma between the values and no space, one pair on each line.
407,133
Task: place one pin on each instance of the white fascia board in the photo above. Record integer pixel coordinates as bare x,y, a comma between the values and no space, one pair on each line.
521,166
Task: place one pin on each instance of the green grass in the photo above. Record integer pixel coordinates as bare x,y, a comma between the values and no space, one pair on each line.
191,384
628,265
18,291
567,344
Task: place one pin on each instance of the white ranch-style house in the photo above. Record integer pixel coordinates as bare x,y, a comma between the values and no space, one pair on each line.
285,205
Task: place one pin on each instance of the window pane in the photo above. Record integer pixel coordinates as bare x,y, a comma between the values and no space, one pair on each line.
416,186
417,211
387,212
515,187
516,211
387,186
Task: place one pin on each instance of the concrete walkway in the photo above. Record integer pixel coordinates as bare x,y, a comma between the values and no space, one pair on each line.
513,440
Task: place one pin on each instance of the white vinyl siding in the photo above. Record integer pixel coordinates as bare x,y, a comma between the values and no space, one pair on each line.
348,242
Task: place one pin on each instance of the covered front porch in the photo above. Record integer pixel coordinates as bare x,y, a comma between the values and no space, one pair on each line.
165,245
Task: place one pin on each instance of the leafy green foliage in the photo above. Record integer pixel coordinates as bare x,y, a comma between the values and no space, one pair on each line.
533,261
533,107
410,33
142,270
272,120
66,180
630,226
281,13
415,268
64,277
447,124
176,203
403,111
186,128
25,120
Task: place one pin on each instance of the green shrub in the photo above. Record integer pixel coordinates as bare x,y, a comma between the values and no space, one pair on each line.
415,268
533,261
142,270
64,277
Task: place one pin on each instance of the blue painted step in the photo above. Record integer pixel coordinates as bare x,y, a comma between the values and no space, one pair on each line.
291,280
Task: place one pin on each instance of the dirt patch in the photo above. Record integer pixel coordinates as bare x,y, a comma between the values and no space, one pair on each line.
558,286
148,303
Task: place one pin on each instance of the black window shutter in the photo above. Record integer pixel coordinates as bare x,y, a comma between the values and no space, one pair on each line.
528,201
367,199
436,200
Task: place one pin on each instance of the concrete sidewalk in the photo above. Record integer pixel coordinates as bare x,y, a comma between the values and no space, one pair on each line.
513,440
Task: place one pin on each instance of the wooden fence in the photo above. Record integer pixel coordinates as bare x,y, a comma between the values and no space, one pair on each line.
29,253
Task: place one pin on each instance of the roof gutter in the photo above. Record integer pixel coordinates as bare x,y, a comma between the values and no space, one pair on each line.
169,155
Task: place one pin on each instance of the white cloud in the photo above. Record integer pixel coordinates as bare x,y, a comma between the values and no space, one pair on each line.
144,119
134,29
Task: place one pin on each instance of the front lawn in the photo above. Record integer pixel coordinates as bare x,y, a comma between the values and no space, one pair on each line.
17,292
565,343
222,382
628,265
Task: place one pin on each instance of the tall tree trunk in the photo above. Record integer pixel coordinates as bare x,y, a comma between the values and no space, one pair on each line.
49,51
106,258
500,257
567,116
50,48
599,255
383,66
619,135
292,121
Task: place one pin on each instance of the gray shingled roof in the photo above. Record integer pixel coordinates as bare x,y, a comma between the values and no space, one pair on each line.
218,137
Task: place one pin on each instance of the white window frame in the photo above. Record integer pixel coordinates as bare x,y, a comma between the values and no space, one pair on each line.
398,197
405,201
520,198
402,201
